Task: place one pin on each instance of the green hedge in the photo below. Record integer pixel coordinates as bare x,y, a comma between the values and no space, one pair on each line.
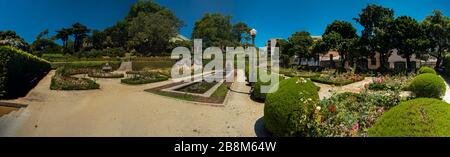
290,111
426,69
139,81
428,85
424,117
19,71
141,65
86,64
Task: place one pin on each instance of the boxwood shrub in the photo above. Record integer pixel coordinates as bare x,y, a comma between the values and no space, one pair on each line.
426,69
19,71
428,85
423,117
290,111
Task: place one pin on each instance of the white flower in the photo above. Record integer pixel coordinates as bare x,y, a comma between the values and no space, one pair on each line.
318,108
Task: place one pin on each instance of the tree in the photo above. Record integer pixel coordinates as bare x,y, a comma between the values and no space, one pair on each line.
42,34
40,46
142,6
375,20
117,35
79,32
300,44
214,30
437,28
241,33
283,47
150,32
63,35
98,39
409,38
341,36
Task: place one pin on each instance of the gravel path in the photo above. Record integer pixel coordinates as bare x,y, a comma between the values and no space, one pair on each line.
122,110
326,91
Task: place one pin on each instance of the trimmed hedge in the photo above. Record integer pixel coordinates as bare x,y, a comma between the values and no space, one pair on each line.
426,69
290,111
143,77
86,64
424,117
19,71
428,86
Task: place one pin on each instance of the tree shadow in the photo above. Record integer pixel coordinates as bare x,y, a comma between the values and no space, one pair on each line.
259,128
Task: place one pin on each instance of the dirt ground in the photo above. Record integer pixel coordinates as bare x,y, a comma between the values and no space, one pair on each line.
123,110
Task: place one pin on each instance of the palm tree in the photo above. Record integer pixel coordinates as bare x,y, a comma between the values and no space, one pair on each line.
79,32
63,34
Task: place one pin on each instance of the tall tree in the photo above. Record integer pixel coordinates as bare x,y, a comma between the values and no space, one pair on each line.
42,34
150,32
375,20
117,35
143,6
241,31
341,36
79,32
214,30
98,39
409,38
283,47
63,35
300,44
437,28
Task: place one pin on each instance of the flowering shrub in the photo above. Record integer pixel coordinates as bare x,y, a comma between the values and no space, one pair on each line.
351,114
291,110
337,79
392,83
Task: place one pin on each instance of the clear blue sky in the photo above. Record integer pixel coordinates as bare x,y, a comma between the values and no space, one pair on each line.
272,18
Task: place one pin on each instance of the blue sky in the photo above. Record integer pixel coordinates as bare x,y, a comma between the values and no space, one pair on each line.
272,18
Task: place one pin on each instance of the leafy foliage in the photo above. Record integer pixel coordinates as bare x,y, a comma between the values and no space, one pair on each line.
426,69
429,86
19,71
290,111
424,117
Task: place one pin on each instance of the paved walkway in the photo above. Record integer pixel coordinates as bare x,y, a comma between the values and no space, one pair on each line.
326,91
122,110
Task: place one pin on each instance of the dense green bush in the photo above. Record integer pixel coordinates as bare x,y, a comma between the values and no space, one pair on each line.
426,69
446,65
110,52
19,71
428,85
423,117
86,64
290,111
337,79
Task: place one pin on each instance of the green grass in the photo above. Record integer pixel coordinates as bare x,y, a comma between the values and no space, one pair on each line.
199,87
218,97
143,65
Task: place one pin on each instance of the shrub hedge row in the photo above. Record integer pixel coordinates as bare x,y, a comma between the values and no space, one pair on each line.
19,71
428,85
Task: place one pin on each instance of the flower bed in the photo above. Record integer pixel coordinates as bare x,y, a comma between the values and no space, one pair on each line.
337,79
351,114
105,75
392,83
297,73
140,77
72,83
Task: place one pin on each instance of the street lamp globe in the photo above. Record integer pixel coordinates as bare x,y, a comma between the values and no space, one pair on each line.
253,32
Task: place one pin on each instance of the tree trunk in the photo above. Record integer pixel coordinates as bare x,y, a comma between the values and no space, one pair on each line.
382,68
408,64
439,59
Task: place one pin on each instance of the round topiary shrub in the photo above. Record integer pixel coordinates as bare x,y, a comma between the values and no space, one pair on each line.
428,86
423,117
426,69
290,111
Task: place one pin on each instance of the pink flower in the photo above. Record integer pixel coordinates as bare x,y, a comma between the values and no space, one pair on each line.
355,127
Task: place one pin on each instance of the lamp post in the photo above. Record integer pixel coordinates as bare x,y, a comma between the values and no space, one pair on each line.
253,34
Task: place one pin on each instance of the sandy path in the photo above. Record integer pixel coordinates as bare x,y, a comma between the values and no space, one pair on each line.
122,110
326,91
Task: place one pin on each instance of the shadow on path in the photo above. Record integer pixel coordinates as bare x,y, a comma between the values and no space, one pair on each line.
259,128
